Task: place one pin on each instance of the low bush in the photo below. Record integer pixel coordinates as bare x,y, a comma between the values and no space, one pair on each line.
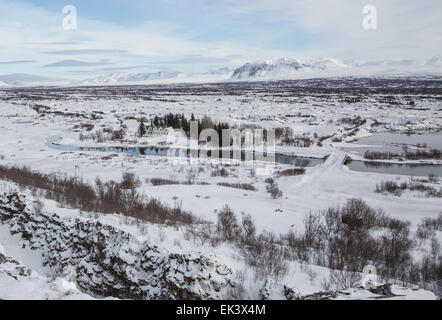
273,189
291,172
397,189
220,173
162,182
104,197
244,186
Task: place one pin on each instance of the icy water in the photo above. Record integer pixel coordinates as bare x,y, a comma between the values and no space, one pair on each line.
395,142
164,152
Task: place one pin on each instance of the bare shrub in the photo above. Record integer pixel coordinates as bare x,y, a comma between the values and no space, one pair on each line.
220,173
249,228
237,292
356,121
162,182
302,141
244,186
418,155
191,175
414,185
340,238
117,135
130,181
430,274
427,229
377,155
87,126
432,178
291,172
266,256
227,224
273,189
435,247
357,214
342,279
391,187
105,197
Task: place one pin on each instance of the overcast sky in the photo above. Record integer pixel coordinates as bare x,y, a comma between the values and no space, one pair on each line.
198,35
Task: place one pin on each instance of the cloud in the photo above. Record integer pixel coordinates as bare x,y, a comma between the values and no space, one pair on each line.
62,43
197,33
30,27
76,63
334,27
84,52
196,60
17,62
109,69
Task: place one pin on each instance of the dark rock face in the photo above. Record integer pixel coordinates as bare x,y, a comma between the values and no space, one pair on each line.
384,290
275,290
106,261
15,269
254,70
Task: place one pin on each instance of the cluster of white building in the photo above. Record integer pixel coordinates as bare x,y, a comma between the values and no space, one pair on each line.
158,131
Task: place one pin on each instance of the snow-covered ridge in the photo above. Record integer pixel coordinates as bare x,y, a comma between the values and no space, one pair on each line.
24,79
115,78
279,69
282,69
20,282
286,68
160,77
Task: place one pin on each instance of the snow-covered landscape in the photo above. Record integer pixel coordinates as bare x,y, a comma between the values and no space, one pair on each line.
240,151
81,134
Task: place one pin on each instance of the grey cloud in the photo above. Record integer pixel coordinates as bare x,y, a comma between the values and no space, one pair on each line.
17,62
109,69
234,56
120,68
83,52
61,43
76,63
196,60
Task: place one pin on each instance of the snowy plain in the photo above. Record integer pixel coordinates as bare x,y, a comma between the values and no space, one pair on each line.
25,130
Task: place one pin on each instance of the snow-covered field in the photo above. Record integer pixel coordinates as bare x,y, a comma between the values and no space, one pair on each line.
31,118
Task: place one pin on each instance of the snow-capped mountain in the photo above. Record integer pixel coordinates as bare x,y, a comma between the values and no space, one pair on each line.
279,69
115,78
160,77
23,79
284,68
436,61
222,71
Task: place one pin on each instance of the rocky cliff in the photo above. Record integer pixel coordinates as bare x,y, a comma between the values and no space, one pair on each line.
105,261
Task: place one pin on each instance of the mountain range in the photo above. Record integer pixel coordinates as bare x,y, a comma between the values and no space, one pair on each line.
280,69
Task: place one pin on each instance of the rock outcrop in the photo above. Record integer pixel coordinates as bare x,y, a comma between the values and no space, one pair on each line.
19,282
105,261
108,262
